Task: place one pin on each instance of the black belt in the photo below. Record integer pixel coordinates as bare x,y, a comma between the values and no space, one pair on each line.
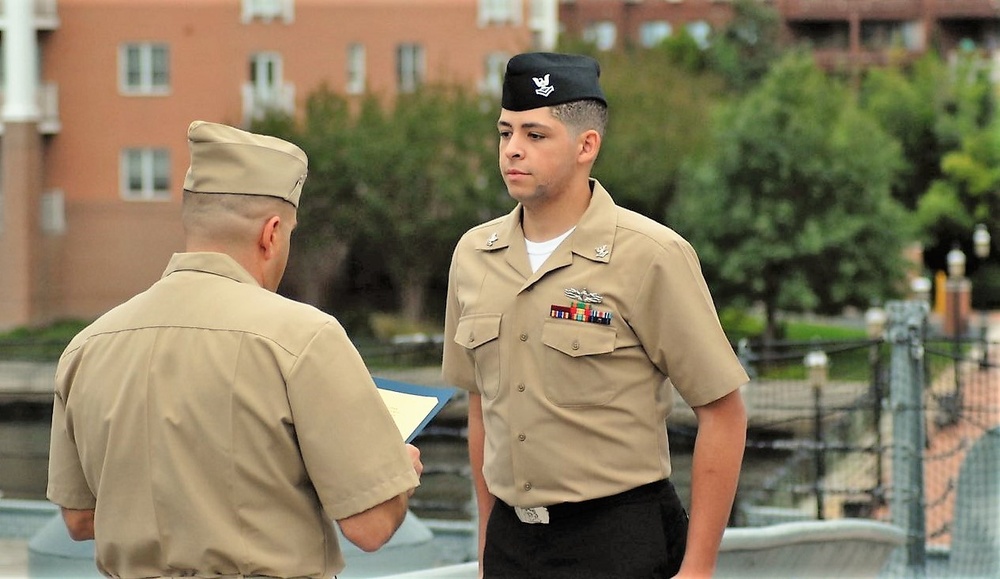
649,491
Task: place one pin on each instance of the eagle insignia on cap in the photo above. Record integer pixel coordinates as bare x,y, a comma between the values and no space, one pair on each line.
542,82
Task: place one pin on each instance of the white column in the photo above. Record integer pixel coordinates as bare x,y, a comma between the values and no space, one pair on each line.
20,59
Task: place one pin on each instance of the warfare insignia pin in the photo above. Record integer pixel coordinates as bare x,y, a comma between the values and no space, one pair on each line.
583,295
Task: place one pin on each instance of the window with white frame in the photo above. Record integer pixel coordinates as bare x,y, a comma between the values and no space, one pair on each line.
144,68
653,32
409,67
500,12
356,68
268,10
145,174
266,74
602,33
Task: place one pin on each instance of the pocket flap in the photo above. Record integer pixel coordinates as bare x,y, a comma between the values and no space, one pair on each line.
475,330
578,339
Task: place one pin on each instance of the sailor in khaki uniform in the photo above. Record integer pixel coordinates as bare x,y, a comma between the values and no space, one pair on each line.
209,427
569,321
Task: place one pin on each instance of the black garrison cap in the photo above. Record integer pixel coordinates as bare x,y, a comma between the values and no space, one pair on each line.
544,79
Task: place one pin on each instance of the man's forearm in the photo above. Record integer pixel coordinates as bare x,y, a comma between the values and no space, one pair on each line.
477,438
715,471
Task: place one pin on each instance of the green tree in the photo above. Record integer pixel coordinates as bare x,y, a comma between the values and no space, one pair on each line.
393,184
326,218
967,193
907,103
793,210
659,115
424,171
941,113
748,45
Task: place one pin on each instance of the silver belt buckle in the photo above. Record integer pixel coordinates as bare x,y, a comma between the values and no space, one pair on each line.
533,515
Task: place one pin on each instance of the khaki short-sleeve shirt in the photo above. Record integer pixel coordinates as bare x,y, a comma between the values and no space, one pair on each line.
575,362
218,429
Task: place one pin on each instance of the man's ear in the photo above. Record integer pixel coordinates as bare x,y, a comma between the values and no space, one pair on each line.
590,145
269,237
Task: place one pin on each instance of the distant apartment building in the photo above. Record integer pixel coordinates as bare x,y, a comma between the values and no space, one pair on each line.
844,33
98,94
615,23
876,32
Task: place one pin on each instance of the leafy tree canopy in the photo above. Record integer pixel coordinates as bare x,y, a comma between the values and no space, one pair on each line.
793,209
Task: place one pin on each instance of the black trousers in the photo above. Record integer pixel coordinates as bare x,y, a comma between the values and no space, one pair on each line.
638,534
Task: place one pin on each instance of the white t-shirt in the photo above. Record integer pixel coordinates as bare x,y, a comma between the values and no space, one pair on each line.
538,252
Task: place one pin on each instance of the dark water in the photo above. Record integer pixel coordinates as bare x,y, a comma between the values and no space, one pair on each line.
24,449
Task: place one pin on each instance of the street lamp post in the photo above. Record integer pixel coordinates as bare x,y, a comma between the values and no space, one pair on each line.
959,293
817,364
981,246
921,289
957,289
875,321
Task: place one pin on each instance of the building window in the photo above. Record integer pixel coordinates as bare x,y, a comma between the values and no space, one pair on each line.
699,31
654,32
268,10
266,90
409,66
356,71
602,34
265,74
145,68
500,12
145,174
496,63
883,35
53,212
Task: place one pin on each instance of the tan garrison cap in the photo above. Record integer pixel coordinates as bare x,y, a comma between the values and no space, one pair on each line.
227,160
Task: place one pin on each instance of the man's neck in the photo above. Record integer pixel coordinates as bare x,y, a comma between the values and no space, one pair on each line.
548,221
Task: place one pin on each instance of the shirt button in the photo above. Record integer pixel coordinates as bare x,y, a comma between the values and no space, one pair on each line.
520,387
527,486
576,344
521,437
472,338
524,337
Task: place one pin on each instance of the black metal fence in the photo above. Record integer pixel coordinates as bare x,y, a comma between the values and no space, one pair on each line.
814,412
831,427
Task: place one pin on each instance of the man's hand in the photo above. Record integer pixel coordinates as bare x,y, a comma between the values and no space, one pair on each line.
79,523
418,466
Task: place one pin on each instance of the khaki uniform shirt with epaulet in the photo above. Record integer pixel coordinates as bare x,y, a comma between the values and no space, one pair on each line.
218,429
575,362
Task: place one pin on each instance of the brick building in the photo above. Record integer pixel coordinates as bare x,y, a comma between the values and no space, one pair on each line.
98,95
843,32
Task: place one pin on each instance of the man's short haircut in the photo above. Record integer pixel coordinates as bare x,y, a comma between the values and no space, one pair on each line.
229,218
582,115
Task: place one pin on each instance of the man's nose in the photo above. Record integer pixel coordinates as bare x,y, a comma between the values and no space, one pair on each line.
512,148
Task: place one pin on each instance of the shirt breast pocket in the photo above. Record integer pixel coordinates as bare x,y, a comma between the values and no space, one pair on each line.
578,363
479,334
